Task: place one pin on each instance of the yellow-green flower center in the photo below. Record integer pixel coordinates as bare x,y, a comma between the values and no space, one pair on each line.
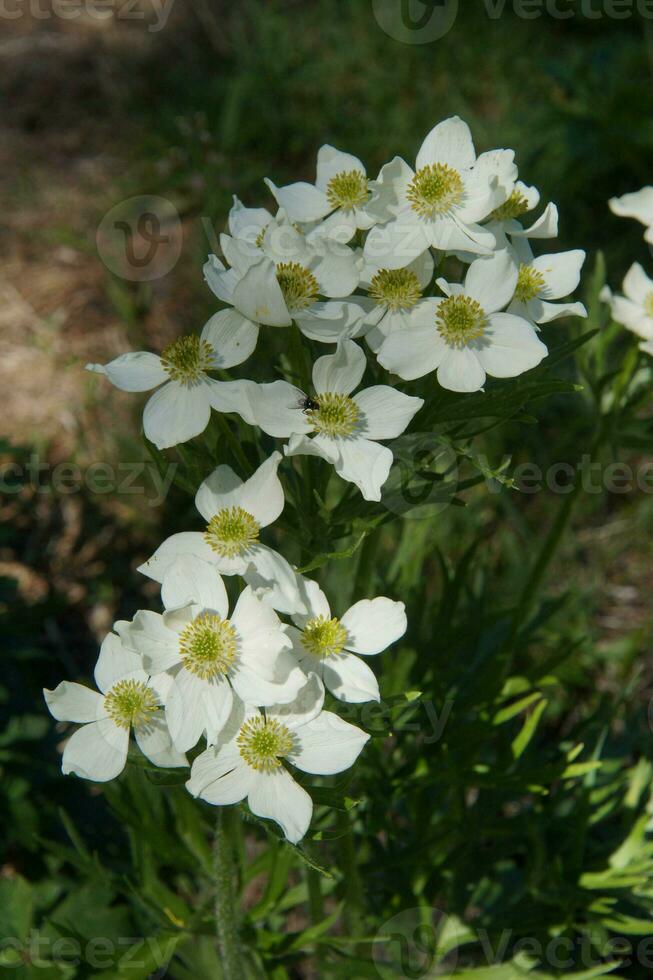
130,703
514,207
298,285
435,189
262,743
208,646
460,319
324,637
187,359
529,284
336,415
397,289
232,531
347,190
648,305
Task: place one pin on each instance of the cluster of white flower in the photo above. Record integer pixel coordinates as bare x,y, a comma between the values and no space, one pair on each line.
634,310
346,260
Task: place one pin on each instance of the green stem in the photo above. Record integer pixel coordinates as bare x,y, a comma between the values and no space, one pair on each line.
224,873
234,444
354,891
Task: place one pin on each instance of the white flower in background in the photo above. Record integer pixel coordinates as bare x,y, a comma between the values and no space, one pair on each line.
638,205
392,294
235,513
341,190
327,646
129,699
209,655
249,761
343,428
181,408
464,336
634,310
441,203
543,279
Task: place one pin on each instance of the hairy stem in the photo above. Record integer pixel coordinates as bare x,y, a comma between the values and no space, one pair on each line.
226,922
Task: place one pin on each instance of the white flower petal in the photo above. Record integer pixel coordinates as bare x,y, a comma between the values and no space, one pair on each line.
300,201
449,142
176,413
137,371
340,372
547,312
274,581
638,287
278,797
328,322
561,272
154,741
331,162
220,489
336,268
373,624
189,579
158,644
638,205
302,709
412,353
313,600
258,296
491,281
194,706
324,447
74,702
546,225
327,745
350,679
222,282
386,411
115,662
461,370
220,776
397,243
97,751
246,222
179,545
451,235
262,495
509,347
232,336
277,409
365,463
232,397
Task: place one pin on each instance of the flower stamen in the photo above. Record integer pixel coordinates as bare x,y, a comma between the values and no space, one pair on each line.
514,207
299,286
529,284
336,415
460,319
262,743
187,359
208,646
130,703
232,531
396,289
347,190
324,637
435,189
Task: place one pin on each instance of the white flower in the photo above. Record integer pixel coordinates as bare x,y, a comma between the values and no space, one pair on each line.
344,427
249,761
545,278
638,205
327,646
392,294
129,699
207,654
634,310
340,191
235,513
521,200
439,204
181,408
464,335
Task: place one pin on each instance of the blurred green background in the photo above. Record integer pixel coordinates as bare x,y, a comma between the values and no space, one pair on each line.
98,110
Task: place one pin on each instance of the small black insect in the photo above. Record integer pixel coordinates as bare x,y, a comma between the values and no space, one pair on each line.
308,405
